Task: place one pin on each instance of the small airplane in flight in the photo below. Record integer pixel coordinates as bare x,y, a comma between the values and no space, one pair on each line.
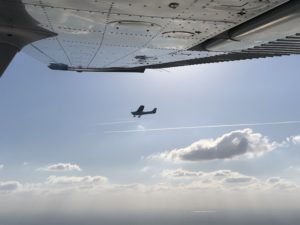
140,111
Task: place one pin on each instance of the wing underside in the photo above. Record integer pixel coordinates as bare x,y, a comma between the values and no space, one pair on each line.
133,35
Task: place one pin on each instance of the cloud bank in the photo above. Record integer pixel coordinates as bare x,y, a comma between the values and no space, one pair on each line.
84,181
214,179
171,181
175,190
226,180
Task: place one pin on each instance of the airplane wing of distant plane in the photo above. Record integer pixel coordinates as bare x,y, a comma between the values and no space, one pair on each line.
140,109
134,35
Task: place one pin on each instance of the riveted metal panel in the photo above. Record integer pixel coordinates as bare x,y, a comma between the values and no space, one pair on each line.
153,8
130,40
109,54
76,5
79,32
36,53
173,36
51,48
76,22
139,25
127,33
235,11
147,56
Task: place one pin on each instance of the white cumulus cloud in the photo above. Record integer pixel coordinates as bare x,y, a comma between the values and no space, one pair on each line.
181,173
294,139
229,146
61,167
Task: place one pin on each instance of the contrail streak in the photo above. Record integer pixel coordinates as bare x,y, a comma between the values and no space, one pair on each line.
115,123
205,127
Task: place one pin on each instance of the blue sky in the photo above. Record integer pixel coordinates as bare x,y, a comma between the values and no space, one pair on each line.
54,139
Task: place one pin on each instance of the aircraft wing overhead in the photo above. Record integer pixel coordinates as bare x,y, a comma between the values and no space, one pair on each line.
133,35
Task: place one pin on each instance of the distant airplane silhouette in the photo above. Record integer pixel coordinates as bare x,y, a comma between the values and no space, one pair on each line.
141,112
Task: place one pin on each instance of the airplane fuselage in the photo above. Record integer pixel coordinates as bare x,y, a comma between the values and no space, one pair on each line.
140,112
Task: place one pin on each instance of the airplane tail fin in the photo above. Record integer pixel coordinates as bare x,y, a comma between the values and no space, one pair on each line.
154,110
